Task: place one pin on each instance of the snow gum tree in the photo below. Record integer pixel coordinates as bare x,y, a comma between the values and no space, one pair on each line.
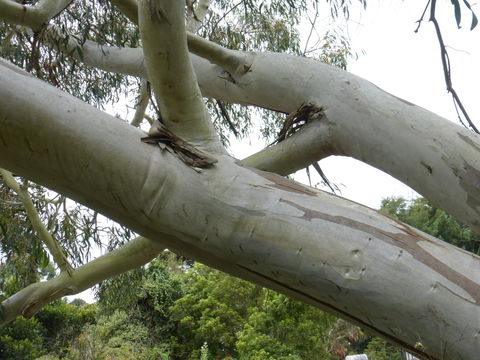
178,187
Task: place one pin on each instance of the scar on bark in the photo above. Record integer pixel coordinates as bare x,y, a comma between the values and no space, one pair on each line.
170,142
297,119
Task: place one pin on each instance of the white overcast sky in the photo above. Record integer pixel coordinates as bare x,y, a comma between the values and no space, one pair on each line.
408,65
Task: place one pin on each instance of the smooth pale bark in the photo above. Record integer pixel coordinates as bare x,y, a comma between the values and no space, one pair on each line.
171,75
410,288
32,16
432,155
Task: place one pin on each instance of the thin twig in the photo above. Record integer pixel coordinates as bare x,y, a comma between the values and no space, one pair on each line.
214,27
226,116
447,69
323,176
419,21
311,29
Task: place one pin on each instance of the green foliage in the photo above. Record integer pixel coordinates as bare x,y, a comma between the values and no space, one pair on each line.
458,12
379,349
86,20
22,339
22,252
240,320
63,322
115,337
421,214
212,310
283,328
50,331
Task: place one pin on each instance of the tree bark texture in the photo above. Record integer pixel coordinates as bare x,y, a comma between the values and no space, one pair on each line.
404,285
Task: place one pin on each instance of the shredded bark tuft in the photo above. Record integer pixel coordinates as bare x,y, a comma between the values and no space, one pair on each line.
295,120
188,153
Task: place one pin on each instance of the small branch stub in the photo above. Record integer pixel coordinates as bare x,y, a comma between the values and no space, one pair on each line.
297,119
294,122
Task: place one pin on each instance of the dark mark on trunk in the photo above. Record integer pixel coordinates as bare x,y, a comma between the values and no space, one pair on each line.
284,184
428,167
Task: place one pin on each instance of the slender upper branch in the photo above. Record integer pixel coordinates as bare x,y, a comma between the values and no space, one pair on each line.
51,243
29,300
141,104
197,16
32,16
171,74
232,61
109,58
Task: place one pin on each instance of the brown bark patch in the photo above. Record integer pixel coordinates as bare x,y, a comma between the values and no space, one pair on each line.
408,239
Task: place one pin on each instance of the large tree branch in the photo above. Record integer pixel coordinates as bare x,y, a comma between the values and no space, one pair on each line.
34,16
363,122
50,242
327,251
129,61
29,300
170,72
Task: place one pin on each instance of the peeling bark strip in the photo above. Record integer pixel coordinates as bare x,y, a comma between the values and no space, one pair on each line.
188,153
408,242
284,184
297,119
